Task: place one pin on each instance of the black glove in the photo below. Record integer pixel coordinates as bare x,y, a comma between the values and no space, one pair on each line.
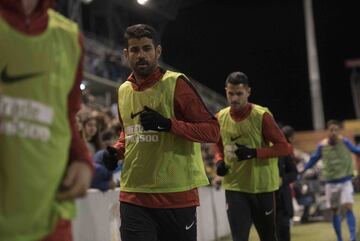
110,158
244,153
221,168
153,120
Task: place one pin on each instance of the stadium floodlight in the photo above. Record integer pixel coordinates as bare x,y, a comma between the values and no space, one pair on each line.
142,2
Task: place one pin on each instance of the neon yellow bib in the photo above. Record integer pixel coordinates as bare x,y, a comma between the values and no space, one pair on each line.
37,74
337,161
254,175
157,162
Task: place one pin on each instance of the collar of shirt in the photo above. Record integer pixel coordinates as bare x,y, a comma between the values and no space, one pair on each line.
36,23
241,114
148,82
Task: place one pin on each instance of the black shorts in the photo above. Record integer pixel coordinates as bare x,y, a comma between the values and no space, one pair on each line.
157,224
247,208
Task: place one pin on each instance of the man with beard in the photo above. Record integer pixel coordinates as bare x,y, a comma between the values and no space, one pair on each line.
246,155
44,163
164,120
335,152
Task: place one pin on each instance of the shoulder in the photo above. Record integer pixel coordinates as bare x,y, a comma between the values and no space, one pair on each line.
259,108
62,23
222,112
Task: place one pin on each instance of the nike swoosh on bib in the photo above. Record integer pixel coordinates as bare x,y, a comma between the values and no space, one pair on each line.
9,79
133,115
234,138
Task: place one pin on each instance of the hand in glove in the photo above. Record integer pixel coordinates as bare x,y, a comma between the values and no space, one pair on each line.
110,158
244,153
153,120
221,168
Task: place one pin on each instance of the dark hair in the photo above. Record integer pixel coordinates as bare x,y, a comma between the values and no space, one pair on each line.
333,122
236,78
139,31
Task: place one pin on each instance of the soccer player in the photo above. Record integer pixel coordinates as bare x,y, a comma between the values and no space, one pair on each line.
44,164
164,120
246,155
335,152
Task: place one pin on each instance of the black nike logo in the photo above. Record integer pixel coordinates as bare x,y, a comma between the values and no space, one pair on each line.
6,78
133,115
234,138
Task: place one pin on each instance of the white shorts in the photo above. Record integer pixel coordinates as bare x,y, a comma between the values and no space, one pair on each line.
337,194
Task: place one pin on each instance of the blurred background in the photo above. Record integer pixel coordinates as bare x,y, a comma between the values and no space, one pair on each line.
302,58
270,41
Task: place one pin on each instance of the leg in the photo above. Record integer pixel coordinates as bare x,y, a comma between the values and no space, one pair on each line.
282,225
239,215
177,224
332,195
347,201
263,212
137,223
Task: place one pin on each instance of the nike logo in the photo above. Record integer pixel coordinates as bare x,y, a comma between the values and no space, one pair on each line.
133,115
188,227
269,212
234,138
160,128
6,78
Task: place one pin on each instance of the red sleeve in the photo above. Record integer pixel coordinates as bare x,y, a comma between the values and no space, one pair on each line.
193,121
120,143
272,133
78,149
218,149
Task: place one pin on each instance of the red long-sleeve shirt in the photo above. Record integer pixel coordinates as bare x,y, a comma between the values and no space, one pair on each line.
270,131
11,11
192,121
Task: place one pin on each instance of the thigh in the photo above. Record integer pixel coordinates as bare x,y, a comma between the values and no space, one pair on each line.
239,214
137,223
332,195
177,224
347,193
263,212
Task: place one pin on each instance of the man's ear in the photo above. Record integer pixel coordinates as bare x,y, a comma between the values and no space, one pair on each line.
125,53
158,51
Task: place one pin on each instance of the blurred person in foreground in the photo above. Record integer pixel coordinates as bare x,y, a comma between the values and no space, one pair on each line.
335,152
44,164
164,122
246,155
288,174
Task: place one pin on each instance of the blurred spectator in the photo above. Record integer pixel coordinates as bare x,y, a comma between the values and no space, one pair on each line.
103,178
288,174
89,130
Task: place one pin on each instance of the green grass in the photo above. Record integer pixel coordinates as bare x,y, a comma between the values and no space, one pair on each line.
316,231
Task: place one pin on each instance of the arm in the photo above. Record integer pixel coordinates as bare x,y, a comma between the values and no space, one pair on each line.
78,150
354,149
314,158
193,121
120,145
218,149
273,134
101,178
291,172
79,172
